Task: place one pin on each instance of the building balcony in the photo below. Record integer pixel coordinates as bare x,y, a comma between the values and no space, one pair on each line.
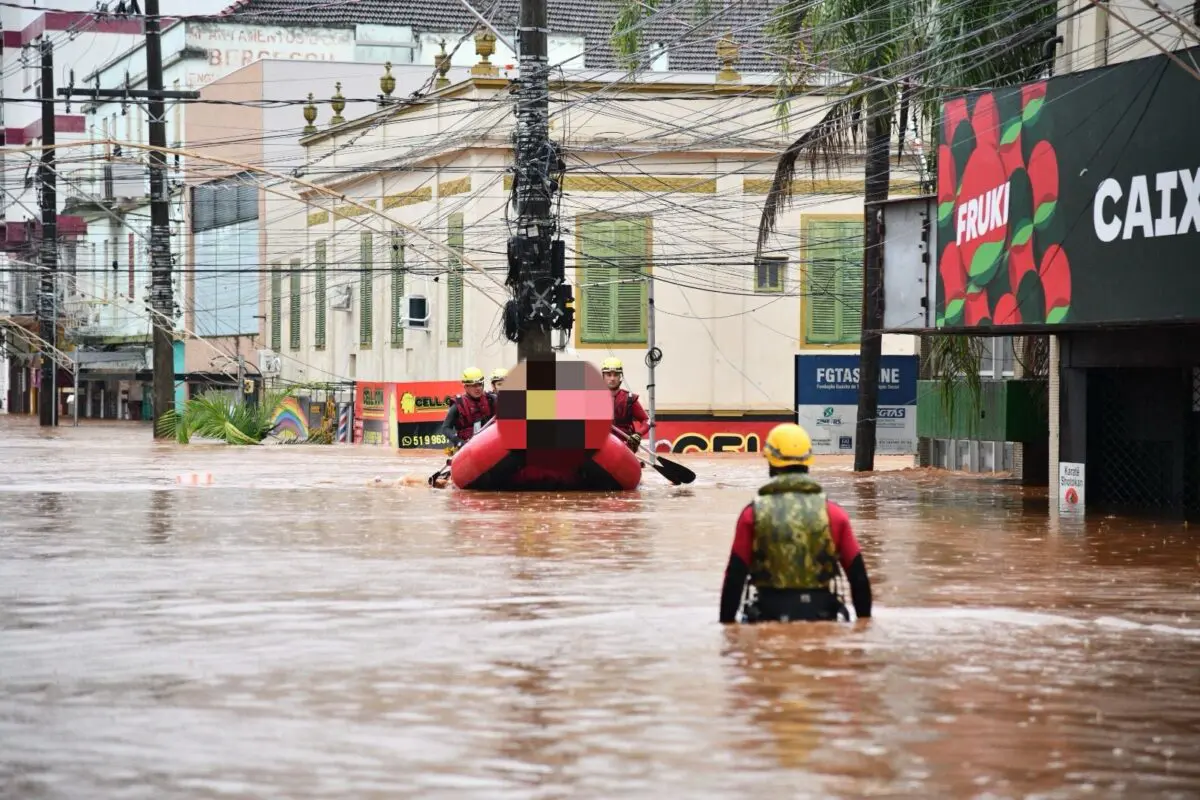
111,184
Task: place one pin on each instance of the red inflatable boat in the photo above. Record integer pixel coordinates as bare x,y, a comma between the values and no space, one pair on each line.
485,464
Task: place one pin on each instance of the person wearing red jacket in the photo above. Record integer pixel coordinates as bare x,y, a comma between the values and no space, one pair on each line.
628,414
790,542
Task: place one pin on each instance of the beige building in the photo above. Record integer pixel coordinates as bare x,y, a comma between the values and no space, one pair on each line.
1097,34
390,263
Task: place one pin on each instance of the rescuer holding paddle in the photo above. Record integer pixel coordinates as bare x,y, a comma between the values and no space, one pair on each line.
628,414
789,543
470,410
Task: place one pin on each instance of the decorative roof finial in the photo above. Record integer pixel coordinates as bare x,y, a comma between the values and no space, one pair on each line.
442,60
485,45
339,104
310,116
727,51
387,83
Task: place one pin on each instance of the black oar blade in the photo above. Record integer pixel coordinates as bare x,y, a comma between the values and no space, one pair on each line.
675,473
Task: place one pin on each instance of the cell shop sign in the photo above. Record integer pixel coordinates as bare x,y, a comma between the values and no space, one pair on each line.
827,403
1072,202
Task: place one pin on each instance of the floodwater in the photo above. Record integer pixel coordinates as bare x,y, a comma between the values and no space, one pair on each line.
289,632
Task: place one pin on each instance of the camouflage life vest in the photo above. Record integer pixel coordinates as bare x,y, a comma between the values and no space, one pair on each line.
793,545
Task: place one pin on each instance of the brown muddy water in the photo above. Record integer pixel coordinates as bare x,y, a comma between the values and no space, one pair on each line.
289,632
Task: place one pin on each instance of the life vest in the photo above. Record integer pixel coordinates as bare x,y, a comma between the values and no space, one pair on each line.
623,403
472,411
793,545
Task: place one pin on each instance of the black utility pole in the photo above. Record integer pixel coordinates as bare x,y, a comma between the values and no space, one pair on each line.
161,299
47,305
162,303
536,275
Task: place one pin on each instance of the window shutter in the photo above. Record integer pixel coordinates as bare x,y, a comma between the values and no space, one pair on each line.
295,309
850,245
454,283
397,290
247,201
319,295
823,301
366,303
834,281
632,290
850,296
276,307
204,207
226,198
598,278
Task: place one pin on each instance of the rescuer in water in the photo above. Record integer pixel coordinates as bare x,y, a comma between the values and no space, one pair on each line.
498,376
470,410
628,414
789,542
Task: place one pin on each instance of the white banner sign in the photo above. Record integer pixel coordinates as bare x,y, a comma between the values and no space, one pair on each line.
230,47
1070,487
832,429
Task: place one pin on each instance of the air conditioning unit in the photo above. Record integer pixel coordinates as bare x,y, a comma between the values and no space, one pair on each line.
417,312
269,363
341,297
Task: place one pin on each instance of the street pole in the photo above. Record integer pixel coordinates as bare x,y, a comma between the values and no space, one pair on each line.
535,289
241,387
161,300
47,405
652,355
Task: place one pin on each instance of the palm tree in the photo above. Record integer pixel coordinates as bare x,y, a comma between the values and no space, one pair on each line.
900,60
217,415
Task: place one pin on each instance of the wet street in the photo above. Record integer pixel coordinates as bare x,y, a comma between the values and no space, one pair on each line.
290,632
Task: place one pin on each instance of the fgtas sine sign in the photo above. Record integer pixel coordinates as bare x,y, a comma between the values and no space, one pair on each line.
1138,212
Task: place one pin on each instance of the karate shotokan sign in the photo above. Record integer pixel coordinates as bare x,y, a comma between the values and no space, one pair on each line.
1072,202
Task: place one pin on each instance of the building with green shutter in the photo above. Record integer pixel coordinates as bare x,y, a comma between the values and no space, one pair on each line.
405,241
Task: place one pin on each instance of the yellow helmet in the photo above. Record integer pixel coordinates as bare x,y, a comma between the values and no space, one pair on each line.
612,365
472,375
788,445
499,374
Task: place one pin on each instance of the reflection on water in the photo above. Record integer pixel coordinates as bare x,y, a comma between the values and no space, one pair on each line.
290,632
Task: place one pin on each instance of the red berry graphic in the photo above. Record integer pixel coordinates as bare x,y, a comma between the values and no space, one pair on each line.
956,113
1020,260
1005,312
976,309
981,226
946,183
1033,97
1043,176
986,123
1056,282
954,282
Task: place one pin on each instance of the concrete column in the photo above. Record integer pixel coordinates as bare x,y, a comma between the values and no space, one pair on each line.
1053,381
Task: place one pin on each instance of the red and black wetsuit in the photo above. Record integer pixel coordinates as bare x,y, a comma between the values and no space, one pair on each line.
465,411
849,554
628,414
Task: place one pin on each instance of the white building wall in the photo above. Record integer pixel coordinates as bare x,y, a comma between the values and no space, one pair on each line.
1104,33
725,348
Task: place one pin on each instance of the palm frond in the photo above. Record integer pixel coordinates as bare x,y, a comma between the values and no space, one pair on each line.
826,144
217,415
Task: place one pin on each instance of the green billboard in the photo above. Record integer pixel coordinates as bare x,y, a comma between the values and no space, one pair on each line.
1072,202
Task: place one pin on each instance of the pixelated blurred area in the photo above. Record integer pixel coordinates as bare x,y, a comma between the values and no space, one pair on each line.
554,405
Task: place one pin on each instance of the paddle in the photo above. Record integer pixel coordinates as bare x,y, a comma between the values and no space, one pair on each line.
443,471
675,473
